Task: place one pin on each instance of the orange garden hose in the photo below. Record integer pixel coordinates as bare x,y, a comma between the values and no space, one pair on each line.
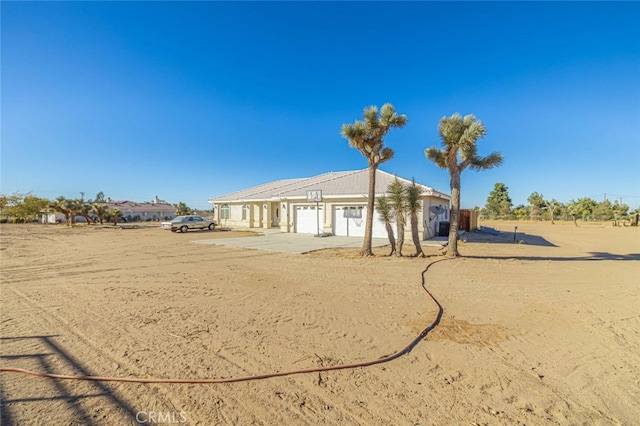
383,359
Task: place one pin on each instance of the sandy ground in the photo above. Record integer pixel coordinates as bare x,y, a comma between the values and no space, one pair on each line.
546,331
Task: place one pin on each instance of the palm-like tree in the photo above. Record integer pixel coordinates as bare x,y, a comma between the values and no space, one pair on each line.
100,210
413,207
386,214
459,137
398,203
367,136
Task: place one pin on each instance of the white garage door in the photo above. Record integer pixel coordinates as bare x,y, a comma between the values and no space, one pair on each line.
307,219
351,221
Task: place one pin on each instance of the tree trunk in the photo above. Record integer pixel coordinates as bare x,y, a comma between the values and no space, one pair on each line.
87,218
392,238
414,234
452,248
366,244
400,228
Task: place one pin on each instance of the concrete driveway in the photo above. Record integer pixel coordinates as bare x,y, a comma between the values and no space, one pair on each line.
292,243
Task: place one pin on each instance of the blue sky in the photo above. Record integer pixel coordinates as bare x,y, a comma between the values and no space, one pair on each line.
192,100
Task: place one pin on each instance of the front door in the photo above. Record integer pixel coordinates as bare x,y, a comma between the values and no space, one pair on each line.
275,214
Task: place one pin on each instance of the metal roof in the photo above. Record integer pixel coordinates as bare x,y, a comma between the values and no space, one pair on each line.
131,206
353,183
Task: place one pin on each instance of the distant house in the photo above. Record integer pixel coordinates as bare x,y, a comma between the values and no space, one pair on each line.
49,216
146,211
131,211
285,204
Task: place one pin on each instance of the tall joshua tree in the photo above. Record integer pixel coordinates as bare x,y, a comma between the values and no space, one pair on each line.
386,214
413,207
459,137
367,136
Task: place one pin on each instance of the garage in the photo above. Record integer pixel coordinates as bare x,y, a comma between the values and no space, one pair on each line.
307,219
350,221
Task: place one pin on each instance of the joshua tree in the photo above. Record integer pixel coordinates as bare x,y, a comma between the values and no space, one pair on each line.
100,210
83,210
398,203
413,206
459,137
552,206
115,214
68,207
182,208
99,197
367,136
386,214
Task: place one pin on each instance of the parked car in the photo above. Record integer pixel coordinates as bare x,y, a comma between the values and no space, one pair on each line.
184,223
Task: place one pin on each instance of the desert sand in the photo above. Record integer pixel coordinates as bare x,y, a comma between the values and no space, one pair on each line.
545,330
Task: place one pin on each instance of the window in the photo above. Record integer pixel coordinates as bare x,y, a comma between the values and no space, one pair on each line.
353,212
245,210
225,211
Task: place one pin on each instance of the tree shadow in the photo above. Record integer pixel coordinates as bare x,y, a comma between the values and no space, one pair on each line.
591,256
48,362
490,235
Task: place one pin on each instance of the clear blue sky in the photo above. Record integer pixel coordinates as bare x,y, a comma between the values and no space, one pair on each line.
192,100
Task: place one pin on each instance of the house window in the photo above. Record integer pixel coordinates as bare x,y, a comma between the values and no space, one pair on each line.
225,211
245,210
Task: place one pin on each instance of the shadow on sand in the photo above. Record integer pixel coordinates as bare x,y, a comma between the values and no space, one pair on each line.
50,354
490,235
591,256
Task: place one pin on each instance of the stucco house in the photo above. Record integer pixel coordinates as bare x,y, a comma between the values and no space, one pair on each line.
342,210
131,211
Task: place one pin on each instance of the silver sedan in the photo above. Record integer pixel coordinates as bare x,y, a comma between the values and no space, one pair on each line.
184,223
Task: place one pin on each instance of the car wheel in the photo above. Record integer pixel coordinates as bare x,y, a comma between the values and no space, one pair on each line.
184,228
212,226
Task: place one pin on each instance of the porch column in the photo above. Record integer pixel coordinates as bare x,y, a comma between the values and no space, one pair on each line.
256,216
286,217
266,215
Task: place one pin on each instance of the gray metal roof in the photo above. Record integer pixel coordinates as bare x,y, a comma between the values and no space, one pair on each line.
131,206
332,184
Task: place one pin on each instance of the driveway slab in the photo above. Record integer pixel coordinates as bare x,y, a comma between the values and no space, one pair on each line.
292,243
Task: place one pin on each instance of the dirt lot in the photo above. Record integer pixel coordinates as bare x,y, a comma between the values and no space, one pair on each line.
546,331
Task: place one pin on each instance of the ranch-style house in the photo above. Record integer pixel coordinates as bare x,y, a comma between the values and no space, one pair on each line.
292,206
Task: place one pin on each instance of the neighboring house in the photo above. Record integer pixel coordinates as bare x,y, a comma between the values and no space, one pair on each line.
135,212
130,210
49,216
284,204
